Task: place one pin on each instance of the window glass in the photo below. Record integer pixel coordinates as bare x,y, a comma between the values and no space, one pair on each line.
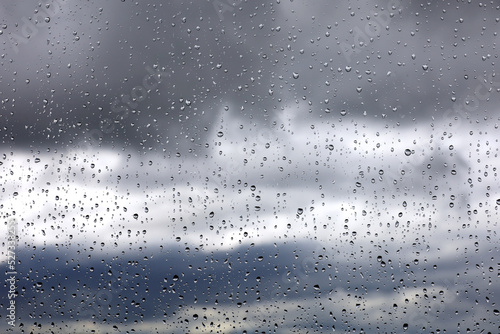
238,166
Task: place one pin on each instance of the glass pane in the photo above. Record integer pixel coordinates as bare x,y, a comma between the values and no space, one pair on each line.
249,166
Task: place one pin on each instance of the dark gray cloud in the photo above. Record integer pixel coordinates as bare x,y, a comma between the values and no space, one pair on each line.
187,287
86,56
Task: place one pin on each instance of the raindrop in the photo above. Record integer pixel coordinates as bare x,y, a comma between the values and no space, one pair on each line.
407,152
295,75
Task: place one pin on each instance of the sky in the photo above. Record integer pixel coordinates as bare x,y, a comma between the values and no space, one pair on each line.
282,166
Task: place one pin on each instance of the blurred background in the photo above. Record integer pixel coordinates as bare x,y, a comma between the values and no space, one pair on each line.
241,166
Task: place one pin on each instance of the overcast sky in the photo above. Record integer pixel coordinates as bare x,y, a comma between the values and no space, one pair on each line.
353,146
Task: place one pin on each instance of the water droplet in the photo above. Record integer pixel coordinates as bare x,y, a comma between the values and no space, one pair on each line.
343,112
407,152
295,75
220,134
425,67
